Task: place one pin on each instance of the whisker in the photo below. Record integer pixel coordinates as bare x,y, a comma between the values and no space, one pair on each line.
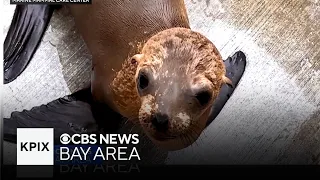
185,140
194,138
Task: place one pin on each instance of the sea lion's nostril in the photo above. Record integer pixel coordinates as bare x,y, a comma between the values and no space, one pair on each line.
160,122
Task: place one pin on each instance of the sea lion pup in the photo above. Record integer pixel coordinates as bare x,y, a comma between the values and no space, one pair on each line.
150,67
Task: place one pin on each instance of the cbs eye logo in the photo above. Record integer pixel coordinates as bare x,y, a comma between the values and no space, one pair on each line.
65,138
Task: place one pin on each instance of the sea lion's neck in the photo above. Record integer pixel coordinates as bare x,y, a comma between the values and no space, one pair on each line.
114,27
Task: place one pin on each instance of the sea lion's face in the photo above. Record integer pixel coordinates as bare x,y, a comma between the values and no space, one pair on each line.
174,105
177,81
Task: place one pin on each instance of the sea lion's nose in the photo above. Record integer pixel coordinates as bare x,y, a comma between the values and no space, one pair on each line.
160,122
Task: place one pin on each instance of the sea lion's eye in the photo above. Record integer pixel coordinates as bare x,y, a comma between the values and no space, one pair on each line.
203,97
143,80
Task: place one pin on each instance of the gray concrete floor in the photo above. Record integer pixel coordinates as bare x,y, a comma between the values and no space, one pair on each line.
272,117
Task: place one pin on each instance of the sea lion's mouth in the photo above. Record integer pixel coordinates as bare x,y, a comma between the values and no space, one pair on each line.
169,140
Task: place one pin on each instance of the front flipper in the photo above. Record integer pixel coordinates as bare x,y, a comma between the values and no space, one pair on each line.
75,113
27,28
235,67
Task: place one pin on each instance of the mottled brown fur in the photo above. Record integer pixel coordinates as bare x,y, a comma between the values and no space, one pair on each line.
187,55
187,51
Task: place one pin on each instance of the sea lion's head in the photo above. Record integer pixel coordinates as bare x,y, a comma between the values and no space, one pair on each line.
179,75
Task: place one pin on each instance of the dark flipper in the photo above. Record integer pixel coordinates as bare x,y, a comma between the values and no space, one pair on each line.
235,66
75,113
25,33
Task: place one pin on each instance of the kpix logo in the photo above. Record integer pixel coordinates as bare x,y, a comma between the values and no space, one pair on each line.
35,146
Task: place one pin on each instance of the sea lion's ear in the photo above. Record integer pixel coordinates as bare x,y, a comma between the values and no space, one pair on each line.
136,58
227,81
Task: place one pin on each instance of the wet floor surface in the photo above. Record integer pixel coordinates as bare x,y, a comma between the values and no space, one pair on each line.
273,116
